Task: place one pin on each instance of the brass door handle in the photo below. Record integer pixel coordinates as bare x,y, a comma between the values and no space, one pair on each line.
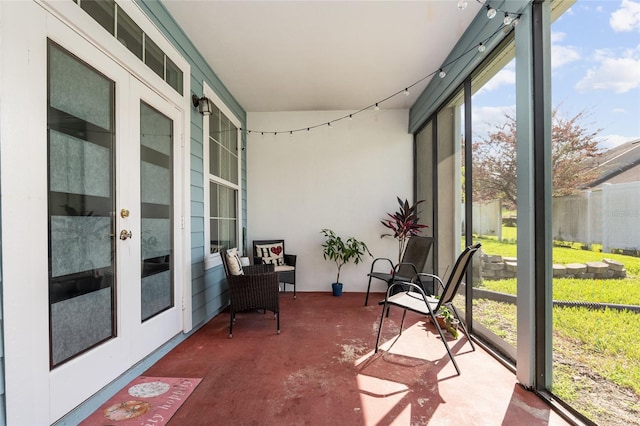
124,234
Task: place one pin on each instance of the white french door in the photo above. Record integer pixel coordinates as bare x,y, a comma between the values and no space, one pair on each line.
114,167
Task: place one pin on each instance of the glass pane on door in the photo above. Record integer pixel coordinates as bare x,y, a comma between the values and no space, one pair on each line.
156,181
81,201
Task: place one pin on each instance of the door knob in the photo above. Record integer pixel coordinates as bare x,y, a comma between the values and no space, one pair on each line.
124,234
124,213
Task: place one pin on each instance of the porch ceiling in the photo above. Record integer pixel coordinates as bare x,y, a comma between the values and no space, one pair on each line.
323,55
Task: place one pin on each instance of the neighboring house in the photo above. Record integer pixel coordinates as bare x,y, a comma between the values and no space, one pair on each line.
117,191
617,165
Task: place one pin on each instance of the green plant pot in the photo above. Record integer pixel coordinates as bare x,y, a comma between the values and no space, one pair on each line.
337,289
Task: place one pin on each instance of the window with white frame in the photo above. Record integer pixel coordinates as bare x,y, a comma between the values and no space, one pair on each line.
222,180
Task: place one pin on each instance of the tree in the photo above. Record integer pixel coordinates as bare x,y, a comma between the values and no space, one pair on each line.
494,159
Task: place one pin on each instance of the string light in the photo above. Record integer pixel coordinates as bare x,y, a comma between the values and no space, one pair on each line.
491,12
481,47
512,19
462,4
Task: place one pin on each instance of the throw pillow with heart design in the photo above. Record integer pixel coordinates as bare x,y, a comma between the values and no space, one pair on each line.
276,250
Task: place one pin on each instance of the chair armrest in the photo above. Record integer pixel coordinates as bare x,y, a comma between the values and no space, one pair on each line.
437,278
259,268
397,267
290,259
383,259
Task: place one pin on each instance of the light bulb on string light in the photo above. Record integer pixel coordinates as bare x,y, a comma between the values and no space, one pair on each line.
406,92
515,22
442,73
507,19
481,47
491,12
462,4
377,108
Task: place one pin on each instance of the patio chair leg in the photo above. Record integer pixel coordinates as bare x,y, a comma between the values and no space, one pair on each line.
231,325
446,345
466,332
277,315
366,299
380,327
401,321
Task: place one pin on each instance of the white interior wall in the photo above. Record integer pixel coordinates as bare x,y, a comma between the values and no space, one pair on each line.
345,178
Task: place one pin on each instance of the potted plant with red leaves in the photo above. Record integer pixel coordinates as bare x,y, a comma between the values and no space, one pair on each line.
404,224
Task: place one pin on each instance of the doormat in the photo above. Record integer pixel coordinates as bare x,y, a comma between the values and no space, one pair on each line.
146,400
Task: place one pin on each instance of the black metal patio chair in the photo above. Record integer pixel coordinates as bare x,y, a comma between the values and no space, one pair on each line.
413,298
412,263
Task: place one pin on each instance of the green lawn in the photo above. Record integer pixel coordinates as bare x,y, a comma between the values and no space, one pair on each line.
601,342
619,291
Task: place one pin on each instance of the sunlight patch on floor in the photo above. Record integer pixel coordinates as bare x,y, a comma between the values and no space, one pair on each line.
379,397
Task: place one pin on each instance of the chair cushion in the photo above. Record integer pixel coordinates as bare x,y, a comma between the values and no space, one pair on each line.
233,262
284,268
271,253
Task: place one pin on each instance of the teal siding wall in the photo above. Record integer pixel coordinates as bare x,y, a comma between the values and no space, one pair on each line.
209,289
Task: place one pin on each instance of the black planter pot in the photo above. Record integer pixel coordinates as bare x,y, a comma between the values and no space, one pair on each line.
337,289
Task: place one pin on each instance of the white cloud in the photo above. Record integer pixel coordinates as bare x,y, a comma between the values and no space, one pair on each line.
611,141
618,111
627,18
618,74
557,36
562,55
487,119
504,77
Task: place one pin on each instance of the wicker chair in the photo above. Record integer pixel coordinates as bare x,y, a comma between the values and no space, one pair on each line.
256,289
286,271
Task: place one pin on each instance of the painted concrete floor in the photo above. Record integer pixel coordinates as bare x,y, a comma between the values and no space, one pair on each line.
321,370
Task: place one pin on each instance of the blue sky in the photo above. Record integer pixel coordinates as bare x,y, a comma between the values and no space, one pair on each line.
595,68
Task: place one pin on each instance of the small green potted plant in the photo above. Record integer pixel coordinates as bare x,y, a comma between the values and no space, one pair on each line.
342,252
448,321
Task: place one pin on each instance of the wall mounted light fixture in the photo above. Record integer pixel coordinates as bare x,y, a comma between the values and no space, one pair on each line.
203,104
